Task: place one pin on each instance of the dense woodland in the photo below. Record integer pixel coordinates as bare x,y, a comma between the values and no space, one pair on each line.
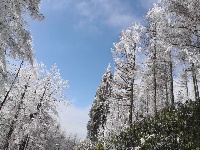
29,92
150,100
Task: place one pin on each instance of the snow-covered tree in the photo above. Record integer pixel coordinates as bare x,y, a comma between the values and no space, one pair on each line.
15,39
100,108
171,54
124,93
159,62
153,48
183,31
31,100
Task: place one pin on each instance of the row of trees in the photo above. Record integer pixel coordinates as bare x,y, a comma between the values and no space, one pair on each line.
150,62
29,92
28,108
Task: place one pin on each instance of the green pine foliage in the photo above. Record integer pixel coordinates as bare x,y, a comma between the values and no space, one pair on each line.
99,147
175,127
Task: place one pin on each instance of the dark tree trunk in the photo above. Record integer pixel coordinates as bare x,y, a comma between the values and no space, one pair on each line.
196,91
147,102
24,143
171,79
7,93
154,74
131,107
186,84
166,85
25,140
132,90
13,123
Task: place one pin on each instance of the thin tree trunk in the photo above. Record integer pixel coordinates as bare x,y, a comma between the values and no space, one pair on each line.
186,83
6,96
197,87
24,143
2,72
171,79
13,123
196,92
132,90
187,91
147,102
197,44
131,108
196,83
154,75
27,142
166,86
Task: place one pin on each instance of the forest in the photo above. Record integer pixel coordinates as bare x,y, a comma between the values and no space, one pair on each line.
149,100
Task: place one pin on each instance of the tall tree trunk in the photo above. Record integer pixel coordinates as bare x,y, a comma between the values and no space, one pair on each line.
154,73
197,87
27,142
166,85
187,90
196,91
7,93
14,121
147,102
2,72
132,90
185,78
24,143
171,79
131,107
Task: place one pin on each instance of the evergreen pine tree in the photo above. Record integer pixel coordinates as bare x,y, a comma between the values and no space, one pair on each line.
98,112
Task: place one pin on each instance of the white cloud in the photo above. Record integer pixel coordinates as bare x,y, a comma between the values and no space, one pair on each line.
115,13
73,119
56,4
148,3
118,20
111,13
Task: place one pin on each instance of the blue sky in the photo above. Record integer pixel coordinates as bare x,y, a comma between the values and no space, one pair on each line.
77,35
